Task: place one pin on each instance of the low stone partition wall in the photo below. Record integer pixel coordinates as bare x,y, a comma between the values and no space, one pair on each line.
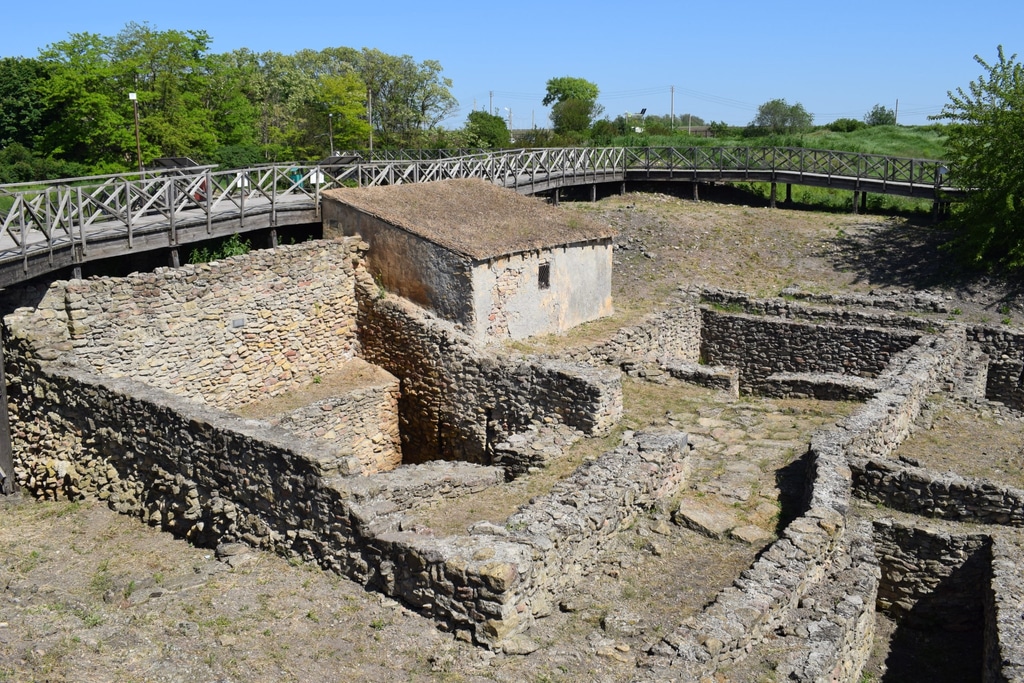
829,635
670,334
1004,633
836,312
948,496
496,581
711,376
822,386
460,398
761,346
1005,349
359,418
225,333
765,596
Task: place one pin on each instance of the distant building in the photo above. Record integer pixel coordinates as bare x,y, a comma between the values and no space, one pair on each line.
502,265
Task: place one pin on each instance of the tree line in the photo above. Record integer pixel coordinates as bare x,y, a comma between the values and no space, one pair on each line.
67,111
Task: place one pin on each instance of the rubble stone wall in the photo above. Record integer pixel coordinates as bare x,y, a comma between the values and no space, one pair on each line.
1005,349
940,495
460,398
225,333
761,346
768,595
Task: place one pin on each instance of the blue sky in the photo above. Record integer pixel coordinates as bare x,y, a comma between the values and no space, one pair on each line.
838,59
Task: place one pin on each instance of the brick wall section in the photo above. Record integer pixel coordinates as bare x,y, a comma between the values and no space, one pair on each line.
225,333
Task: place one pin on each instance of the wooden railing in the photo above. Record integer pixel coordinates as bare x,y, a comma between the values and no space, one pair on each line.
69,214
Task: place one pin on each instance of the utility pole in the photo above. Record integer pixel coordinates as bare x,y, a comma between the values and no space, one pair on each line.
672,109
896,113
491,103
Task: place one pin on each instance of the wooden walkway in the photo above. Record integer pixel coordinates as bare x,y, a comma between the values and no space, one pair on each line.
46,227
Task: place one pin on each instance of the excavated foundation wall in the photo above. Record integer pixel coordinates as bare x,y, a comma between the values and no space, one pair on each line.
817,559
1005,349
761,347
213,477
225,333
459,398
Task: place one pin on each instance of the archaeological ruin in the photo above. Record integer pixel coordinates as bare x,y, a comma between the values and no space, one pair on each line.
309,399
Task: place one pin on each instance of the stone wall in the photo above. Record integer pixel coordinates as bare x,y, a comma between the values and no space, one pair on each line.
932,577
670,335
940,495
768,596
460,398
360,421
225,333
761,346
1005,349
1004,636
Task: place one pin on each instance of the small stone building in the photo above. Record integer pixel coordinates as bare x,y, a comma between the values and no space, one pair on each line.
502,265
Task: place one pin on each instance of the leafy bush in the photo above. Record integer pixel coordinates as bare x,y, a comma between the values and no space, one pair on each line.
846,125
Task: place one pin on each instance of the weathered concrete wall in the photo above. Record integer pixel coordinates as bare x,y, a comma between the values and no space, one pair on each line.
407,265
510,303
459,398
225,333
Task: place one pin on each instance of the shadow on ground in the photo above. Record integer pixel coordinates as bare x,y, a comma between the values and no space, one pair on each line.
912,254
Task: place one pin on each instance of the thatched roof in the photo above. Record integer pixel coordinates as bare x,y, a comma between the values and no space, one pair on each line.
473,217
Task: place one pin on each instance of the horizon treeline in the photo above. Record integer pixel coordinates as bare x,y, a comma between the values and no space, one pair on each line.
68,112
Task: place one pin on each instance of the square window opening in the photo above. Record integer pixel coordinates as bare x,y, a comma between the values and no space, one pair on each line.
544,276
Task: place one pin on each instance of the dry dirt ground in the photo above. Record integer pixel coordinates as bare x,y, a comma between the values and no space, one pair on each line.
87,595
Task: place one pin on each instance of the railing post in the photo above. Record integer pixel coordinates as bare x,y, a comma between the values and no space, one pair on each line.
81,222
128,210
170,212
208,184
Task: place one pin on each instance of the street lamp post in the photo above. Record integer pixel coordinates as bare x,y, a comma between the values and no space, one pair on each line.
138,141
330,124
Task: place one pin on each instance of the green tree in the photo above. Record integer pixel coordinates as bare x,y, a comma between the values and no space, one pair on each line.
779,116
168,71
573,116
880,115
987,159
573,103
91,116
345,97
22,114
489,130
407,98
